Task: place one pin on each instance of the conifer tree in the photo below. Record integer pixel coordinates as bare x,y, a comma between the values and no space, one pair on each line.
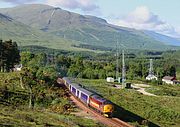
9,55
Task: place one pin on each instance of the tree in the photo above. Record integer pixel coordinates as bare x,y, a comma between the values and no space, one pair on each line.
172,71
102,74
1,54
29,80
9,55
47,74
62,64
73,71
26,57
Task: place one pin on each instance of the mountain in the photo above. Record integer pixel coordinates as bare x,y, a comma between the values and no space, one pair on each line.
25,35
163,38
81,29
11,28
49,18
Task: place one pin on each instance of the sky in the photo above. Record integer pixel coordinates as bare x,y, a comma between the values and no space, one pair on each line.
161,16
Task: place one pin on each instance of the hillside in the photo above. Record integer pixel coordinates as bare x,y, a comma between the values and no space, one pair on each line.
50,18
52,112
11,28
25,35
160,111
83,29
163,38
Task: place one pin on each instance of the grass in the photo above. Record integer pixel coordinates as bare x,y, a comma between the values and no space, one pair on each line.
53,111
29,118
178,75
165,90
162,111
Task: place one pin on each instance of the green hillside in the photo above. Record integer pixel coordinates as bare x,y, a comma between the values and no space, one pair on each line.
25,35
108,38
11,28
134,107
51,112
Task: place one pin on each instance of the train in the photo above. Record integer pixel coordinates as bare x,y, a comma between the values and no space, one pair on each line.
90,99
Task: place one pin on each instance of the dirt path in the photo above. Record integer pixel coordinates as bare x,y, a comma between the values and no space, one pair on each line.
141,88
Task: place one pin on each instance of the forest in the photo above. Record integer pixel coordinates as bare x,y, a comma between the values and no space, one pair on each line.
102,67
92,65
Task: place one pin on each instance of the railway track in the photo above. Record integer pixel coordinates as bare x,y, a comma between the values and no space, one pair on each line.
110,122
120,122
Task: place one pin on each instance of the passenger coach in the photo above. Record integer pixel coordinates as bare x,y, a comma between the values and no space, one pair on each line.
89,98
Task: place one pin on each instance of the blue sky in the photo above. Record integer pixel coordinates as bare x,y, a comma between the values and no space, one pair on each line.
161,16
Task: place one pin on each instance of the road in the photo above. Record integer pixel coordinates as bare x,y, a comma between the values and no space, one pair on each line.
141,88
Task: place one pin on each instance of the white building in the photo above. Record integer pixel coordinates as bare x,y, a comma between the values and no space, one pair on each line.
168,79
110,79
151,77
18,67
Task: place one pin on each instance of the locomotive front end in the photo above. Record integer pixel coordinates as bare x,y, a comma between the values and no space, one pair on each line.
108,110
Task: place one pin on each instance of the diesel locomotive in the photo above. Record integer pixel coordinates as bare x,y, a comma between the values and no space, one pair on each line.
92,100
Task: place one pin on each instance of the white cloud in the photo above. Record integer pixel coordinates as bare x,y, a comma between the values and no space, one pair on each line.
141,18
18,1
84,5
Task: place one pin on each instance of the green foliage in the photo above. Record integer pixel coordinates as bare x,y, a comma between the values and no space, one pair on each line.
48,74
100,66
41,91
92,47
137,63
51,108
23,117
9,55
90,69
165,90
163,110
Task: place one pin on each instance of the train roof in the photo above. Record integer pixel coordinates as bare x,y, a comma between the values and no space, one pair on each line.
99,98
75,85
87,92
67,79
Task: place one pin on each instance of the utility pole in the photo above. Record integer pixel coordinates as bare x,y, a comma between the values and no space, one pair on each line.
151,72
123,71
151,75
117,60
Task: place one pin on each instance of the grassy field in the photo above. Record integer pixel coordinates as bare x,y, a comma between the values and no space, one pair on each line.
178,75
23,117
26,118
134,107
52,112
165,90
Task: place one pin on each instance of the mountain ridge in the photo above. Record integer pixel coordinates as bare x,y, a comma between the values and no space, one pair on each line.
164,38
84,29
